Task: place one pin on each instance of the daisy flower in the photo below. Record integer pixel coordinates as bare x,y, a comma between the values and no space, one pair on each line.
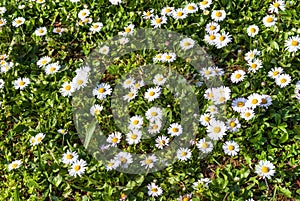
205,119
21,83
128,30
58,30
205,4
247,114
221,95
154,127
67,89
123,40
102,90
191,8
162,141
255,65
283,80
275,72
96,27
293,44
96,109
187,43
265,169
209,94
2,10
69,157
40,1
175,129
207,72
157,21
104,50
149,161
276,5
203,182
80,80
249,56
212,27
252,30
128,83
216,130
115,2
136,122
167,11
39,138
114,139
14,165
2,22
159,80
62,131
222,40
1,83
131,95
154,190
148,14
184,154
52,68
237,76
18,21
231,148
112,164
217,71
205,146
169,57
3,56
134,136
187,197
266,101
124,158
269,20
218,15
83,14
40,31
239,104
210,38
253,101
157,58
153,93
78,168
154,114
179,14
43,61
233,125
212,109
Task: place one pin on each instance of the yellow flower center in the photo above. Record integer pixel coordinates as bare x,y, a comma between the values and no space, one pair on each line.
14,165
114,140
222,38
212,27
130,94
207,119
96,26
123,160
175,130
254,101
101,90
133,136
237,76
253,66
204,145
265,169
135,122
275,73
153,114
39,139
269,19
168,57
186,199
232,124
247,114
230,147
158,20
154,190
222,99
212,37
79,82
217,129
252,30
52,69
179,14
276,5
204,2
183,153
187,44
41,31
151,93
218,14
155,126
127,29
77,167
69,156
21,83
283,80
68,87
191,7
162,142
295,43
168,10
18,21
44,62
148,161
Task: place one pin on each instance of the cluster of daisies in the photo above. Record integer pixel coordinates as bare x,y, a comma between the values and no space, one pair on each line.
84,19
78,166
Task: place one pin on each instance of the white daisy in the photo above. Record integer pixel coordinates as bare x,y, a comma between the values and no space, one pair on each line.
167,11
154,190
231,148
253,101
221,95
125,159
175,129
265,169
136,122
40,1
128,83
187,43
222,39
2,22
247,114
210,38
212,109
159,80
252,30
134,136
128,30
83,14
233,125
149,161
293,44
1,83
62,131
148,14
157,21
131,95
123,40
205,119
58,30
203,182
52,68
80,80
184,154
14,165
269,20
18,21
153,93
275,72
162,141
21,83
191,8
239,104
43,61
69,157
205,146
283,80
266,101
102,90
39,138
115,2
96,27
216,129
96,109
207,72
218,15
104,50
114,139
255,65
276,5
217,71
40,31
154,127
205,4
249,56
169,57
237,76
67,89
78,168
179,14
2,10
212,27
154,114
157,58
112,164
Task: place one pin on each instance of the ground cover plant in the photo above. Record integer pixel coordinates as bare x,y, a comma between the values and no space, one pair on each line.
209,112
